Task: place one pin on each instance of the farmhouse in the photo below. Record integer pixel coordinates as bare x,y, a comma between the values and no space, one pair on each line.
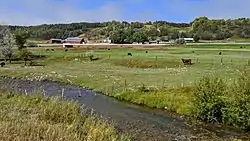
189,39
57,41
74,40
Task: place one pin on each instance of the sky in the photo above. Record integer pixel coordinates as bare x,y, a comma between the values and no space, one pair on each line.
35,12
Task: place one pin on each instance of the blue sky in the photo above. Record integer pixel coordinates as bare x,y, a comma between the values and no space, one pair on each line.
33,12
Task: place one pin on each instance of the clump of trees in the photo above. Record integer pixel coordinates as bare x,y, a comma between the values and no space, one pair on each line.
21,39
7,42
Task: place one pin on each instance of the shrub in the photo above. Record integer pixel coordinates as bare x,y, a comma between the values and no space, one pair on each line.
208,99
237,112
31,44
180,41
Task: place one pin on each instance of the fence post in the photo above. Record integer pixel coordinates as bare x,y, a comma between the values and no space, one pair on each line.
106,90
44,94
25,91
248,62
109,56
156,58
231,62
63,92
221,61
162,84
124,85
80,94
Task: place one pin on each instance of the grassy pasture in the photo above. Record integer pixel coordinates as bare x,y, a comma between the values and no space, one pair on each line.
156,79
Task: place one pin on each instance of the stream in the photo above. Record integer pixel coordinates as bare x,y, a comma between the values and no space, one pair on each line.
142,123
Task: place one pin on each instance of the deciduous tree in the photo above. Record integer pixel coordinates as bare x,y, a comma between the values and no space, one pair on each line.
7,43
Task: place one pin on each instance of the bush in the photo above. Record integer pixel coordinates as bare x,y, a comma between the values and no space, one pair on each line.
237,112
180,41
208,99
25,55
214,100
31,44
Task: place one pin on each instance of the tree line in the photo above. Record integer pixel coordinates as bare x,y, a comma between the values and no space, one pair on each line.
201,28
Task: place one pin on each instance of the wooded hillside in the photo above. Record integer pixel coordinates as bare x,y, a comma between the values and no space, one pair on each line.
200,28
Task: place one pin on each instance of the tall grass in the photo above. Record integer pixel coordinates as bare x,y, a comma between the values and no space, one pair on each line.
33,118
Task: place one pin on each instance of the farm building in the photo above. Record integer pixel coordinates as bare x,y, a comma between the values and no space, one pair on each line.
57,41
74,40
189,39
67,45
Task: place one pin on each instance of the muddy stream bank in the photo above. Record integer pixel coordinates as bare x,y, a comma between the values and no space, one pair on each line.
142,123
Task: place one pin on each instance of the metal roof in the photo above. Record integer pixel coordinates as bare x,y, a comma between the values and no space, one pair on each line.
74,39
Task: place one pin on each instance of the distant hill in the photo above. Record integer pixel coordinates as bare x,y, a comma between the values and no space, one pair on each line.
201,27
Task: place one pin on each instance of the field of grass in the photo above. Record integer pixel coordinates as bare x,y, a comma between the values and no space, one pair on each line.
156,79
34,118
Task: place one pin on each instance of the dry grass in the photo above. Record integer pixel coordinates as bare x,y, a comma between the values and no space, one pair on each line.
33,118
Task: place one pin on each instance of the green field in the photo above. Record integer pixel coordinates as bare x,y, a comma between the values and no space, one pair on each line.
157,79
33,118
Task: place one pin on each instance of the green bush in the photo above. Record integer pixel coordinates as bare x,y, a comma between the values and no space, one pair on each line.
214,100
180,41
208,99
237,111
31,44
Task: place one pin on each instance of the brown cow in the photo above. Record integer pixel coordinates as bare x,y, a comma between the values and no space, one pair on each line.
186,61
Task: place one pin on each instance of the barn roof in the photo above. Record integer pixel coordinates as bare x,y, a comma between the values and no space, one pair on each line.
74,39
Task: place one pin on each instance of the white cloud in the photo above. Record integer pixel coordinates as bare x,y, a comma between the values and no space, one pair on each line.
44,11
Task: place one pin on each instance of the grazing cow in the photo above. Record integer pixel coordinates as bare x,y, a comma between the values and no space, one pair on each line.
108,49
186,61
52,49
129,54
66,50
220,53
146,51
2,64
240,47
47,49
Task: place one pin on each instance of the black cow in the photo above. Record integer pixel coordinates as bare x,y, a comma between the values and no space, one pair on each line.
186,61
108,49
66,50
52,50
129,54
146,51
220,53
2,64
47,49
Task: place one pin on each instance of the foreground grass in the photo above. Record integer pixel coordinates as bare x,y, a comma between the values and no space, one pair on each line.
33,118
